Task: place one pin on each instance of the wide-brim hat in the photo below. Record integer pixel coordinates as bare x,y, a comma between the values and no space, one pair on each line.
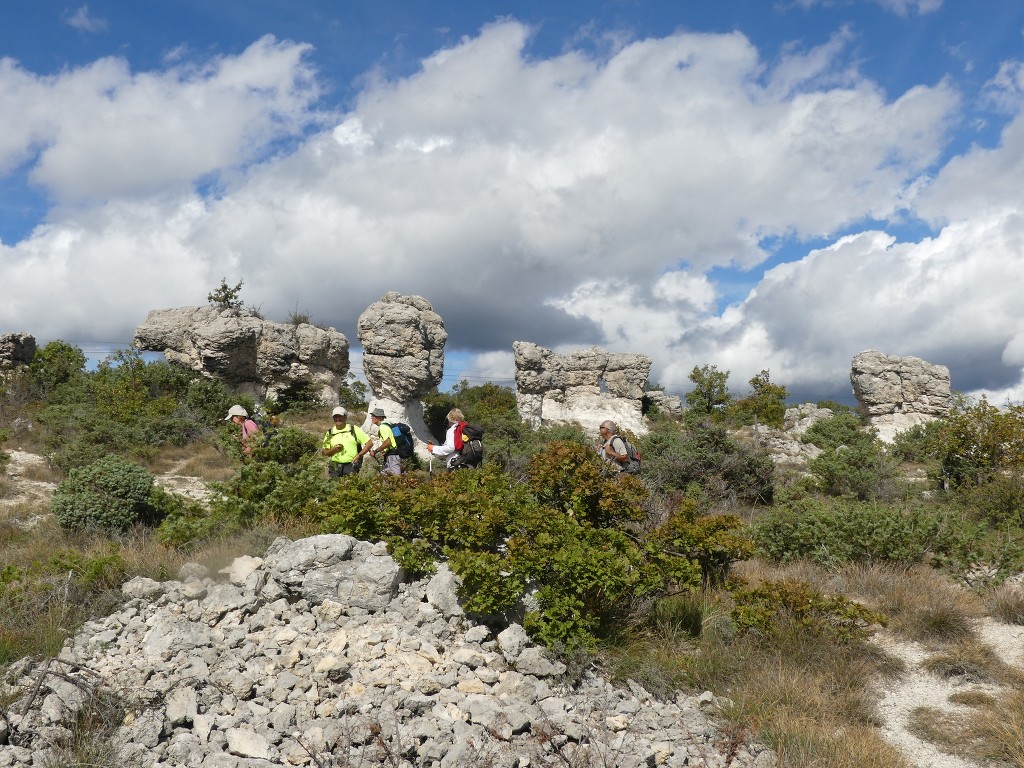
378,412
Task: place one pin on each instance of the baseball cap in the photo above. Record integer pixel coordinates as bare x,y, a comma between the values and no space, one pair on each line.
339,411
236,410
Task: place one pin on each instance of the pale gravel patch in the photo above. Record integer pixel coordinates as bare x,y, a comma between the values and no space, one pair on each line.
26,492
920,688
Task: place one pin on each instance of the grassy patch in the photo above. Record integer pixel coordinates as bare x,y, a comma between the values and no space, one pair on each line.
1006,604
969,661
808,697
922,604
991,731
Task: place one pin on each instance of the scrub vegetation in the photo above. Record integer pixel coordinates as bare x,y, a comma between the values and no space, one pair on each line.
712,570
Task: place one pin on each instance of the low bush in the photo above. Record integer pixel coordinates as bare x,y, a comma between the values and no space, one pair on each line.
565,543
762,610
701,453
111,494
920,444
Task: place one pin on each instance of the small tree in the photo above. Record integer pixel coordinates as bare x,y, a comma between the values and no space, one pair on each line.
226,297
710,391
980,441
766,403
55,364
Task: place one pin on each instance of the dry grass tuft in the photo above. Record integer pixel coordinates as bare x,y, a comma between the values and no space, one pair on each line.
42,472
993,731
999,730
1006,604
972,698
972,662
922,604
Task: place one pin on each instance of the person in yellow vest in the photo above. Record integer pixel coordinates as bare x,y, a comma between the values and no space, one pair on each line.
344,445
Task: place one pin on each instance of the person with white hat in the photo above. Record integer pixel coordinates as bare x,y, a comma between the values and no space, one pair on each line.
392,461
344,445
250,428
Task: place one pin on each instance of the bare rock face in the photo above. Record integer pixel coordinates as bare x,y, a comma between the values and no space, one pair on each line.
403,346
251,355
665,403
16,349
899,392
587,386
799,419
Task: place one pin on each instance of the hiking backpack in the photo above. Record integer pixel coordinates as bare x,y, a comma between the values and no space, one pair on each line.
472,452
632,467
268,426
403,438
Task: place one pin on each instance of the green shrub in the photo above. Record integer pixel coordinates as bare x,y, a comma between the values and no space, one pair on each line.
676,457
566,536
919,444
980,441
288,445
111,494
763,609
712,542
852,462
836,531
998,501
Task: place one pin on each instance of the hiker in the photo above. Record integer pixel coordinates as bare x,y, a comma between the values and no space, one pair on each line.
613,447
449,450
345,445
388,444
250,429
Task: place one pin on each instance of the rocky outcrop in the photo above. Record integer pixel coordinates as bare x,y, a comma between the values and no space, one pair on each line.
403,346
785,445
251,355
800,418
899,392
16,350
322,653
403,358
671,405
587,386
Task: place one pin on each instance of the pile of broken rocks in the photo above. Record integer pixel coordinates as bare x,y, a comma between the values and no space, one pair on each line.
322,653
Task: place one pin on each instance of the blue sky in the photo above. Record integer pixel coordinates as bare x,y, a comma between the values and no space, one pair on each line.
749,184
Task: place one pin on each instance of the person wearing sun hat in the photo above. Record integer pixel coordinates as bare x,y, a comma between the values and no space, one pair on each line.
392,461
344,445
250,428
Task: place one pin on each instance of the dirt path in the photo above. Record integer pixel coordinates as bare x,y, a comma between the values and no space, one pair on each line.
920,688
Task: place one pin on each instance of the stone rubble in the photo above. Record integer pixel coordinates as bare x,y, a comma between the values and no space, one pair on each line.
321,653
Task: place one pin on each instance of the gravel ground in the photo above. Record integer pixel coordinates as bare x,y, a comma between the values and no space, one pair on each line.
920,688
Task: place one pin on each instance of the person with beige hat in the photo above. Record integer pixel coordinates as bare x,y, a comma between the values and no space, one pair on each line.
392,461
250,428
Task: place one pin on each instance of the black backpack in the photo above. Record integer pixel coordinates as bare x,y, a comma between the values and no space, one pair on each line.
268,426
403,438
472,453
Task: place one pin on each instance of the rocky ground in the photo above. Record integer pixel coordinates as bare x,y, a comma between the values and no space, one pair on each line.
447,670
